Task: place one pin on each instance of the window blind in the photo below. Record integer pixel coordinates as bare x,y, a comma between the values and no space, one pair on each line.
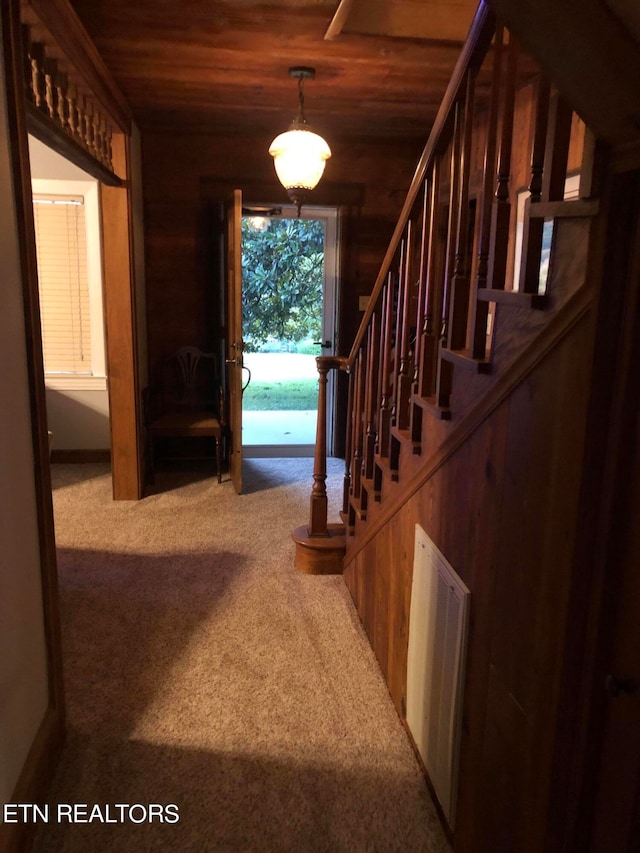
63,284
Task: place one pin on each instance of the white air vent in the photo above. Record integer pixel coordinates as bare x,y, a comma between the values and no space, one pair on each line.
435,667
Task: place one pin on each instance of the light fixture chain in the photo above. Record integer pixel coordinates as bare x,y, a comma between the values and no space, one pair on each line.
301,117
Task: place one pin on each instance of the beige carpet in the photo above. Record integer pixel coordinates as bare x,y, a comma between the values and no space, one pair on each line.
202,670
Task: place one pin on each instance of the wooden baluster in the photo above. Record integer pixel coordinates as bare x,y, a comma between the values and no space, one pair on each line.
480,310
373,359
109,153
346,487
62,87
92,130
381,382
319,509
37,57
556,149
549,158
403,389
50,91
397,333
81,134
356,469
87,124
459,306
501,213
353,423
415,411
532,229
366,397
444,370
103,140
422,286
452,229
72,109
384,421
26,64
95,150
590,176
432,308
100,137
543,94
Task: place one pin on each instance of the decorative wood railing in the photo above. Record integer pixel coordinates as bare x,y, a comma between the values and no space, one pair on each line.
49,89
62,107
476,233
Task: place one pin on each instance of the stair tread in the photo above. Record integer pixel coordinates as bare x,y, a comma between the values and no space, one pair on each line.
429,405
385,466
404,436
368,484
514,298
356,504
464,358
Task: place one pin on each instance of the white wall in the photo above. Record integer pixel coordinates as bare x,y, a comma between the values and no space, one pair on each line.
77,416
79,420
23,662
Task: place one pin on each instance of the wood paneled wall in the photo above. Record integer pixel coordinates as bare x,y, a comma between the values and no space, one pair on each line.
502,504
503,510
175,168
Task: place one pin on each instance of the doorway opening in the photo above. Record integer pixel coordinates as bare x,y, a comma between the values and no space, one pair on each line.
289,274
66,211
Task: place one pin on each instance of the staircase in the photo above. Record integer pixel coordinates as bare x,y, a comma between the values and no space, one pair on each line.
483,274
469,390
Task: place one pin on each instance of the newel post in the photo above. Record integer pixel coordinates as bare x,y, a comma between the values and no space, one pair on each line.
320,546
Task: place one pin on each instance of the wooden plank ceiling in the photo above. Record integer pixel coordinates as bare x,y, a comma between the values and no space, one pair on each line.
222,65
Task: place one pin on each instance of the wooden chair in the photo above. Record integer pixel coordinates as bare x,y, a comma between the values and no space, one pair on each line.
186,399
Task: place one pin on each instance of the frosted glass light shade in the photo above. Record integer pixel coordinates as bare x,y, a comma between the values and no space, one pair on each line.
299,157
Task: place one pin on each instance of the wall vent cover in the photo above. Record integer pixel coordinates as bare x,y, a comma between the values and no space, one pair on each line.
435,667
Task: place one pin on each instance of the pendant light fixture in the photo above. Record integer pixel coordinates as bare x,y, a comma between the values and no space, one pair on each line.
299,154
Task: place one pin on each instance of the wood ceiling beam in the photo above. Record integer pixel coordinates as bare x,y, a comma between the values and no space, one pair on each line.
339,19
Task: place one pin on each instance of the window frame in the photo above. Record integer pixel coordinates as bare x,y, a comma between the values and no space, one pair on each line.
89,190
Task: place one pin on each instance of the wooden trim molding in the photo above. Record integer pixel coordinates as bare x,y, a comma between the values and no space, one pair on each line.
120,315
46,131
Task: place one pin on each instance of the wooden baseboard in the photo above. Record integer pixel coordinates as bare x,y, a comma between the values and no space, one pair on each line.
35,779
79,456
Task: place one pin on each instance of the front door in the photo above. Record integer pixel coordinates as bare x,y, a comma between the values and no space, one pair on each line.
234,342
289,281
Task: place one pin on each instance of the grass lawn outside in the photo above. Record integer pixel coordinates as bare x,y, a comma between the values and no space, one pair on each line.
293,395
